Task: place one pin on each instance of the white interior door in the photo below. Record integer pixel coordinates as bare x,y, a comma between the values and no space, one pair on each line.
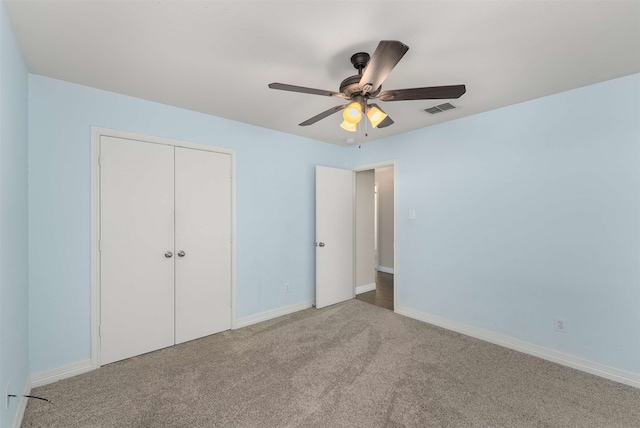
203,243
334,235
136,240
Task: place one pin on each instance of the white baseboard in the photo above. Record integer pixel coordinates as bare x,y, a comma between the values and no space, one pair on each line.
274,313
385,269
17,422
364,288
54,375
607,372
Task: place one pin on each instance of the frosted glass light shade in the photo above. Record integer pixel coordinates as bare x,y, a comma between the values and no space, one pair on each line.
353,113
375,116
347,126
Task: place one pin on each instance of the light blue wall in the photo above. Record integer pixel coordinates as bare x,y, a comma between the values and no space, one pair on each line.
14,355
523,213
275,207
526,213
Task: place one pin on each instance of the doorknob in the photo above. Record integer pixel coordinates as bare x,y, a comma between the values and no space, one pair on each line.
320,244
181,253
168,254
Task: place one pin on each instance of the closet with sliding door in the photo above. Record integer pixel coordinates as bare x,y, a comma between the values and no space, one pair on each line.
165,245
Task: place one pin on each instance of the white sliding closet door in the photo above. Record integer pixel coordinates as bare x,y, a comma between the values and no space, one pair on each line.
203,243
137,235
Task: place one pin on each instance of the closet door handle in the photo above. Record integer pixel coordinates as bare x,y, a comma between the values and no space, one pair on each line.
181,253
168,254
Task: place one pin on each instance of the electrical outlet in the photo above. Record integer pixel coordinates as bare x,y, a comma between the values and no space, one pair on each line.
286,287
6,394
560,324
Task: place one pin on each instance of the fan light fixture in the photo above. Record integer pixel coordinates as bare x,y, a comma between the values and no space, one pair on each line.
347,126
375,115
351,127
353,113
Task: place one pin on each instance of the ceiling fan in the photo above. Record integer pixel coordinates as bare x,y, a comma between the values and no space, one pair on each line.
367,85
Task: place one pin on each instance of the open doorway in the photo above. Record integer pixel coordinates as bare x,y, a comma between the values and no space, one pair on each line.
375,235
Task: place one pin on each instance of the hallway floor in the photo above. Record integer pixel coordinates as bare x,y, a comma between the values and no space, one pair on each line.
383,294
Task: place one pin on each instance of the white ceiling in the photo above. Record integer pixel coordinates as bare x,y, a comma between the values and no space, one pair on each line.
217,57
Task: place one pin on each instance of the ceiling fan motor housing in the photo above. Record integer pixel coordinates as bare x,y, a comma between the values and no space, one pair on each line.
351,85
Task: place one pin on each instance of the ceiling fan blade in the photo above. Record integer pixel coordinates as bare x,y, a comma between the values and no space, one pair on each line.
384,59
386,121
302,89
429,93
322,115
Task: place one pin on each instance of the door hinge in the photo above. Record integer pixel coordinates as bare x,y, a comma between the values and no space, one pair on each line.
99,331
100,245
100,160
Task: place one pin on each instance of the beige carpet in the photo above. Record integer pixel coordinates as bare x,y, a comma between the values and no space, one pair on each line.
349,365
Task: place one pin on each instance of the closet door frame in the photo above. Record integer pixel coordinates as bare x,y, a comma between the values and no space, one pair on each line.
96,133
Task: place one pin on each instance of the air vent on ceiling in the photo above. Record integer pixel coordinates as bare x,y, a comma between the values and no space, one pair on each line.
440,108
